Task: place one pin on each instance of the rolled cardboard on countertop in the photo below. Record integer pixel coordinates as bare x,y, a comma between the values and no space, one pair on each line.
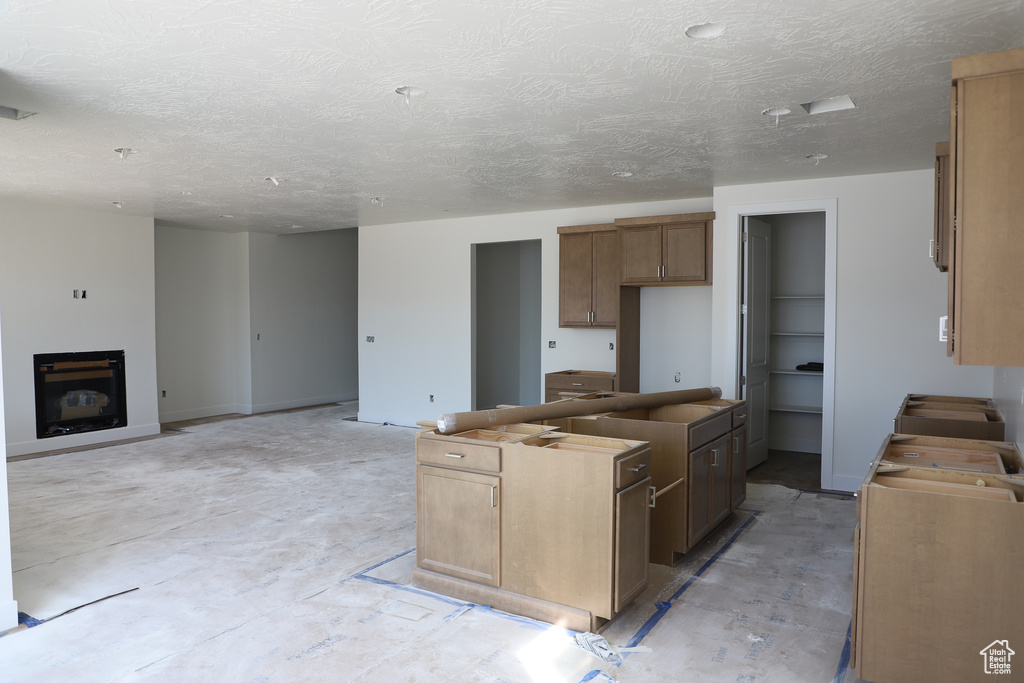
449,423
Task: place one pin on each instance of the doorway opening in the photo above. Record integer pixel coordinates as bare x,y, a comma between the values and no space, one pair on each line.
506,324
787,339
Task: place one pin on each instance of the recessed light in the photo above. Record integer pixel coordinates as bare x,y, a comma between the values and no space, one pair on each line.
377,201
117,204
296,227
623,174
14,114
816,158
709,30
226,215
125,152
829,104
273,179
776,111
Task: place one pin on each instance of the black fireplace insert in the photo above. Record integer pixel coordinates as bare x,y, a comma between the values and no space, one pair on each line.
79,392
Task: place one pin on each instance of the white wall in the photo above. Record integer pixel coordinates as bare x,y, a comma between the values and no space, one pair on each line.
302,302
415,287
8,605
46,252
1008,391
202,323
889,298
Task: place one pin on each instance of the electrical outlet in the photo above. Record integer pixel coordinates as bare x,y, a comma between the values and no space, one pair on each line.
679,377
369,339
163,394
551,344
431,398
611,346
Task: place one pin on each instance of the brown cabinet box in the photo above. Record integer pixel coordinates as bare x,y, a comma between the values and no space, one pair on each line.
565,383
938,552
548,525
954,416
698,466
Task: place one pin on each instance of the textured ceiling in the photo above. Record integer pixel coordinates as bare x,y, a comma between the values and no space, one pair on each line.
527,104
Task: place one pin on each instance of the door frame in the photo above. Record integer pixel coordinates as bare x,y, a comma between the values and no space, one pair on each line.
829,207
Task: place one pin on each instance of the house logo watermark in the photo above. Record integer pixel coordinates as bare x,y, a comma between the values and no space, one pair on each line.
997,657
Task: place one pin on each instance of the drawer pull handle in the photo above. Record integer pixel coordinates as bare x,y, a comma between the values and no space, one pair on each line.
453,455
638,467
577,384
742,417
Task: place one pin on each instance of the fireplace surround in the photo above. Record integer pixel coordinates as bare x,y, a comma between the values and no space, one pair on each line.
79,392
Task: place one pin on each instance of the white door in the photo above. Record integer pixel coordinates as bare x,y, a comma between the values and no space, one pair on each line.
756,315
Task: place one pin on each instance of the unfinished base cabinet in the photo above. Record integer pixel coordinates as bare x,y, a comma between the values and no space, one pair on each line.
547,525
959,417
559,385
698,466
940,544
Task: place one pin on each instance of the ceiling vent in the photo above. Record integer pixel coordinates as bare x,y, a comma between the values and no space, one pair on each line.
14,114
829,104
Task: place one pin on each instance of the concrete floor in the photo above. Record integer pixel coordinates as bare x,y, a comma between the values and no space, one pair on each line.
280,547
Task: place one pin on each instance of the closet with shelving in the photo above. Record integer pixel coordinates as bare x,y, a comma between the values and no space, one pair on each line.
797,330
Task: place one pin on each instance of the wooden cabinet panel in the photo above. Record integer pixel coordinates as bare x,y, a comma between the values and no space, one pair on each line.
738,467
699,494
987,163
719,484
588,278
632,541
575,277
641,254
576,382
605,283
683,249
458,524
943,231
458,453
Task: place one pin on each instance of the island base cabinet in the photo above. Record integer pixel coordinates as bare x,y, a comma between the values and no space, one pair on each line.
459,524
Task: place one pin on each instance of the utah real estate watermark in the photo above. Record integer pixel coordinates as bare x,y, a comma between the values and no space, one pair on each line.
997,656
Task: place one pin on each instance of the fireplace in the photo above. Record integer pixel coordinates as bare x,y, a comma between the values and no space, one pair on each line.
79,392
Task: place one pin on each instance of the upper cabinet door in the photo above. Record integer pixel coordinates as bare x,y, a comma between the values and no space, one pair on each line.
685,254
641,254
588,276
605,304
575,268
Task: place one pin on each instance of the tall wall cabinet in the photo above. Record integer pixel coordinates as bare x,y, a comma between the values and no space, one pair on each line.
986,307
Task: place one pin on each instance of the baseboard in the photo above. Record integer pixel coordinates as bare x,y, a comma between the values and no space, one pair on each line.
103,436
8,615
796,445
199,413
302,403
380,418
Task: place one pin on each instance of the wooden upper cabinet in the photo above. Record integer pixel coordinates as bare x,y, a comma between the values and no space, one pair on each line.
666,250
588,264
943,238
987,164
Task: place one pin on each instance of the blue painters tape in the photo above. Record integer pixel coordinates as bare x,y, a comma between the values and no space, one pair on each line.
26,620
712,560
384,562
664,607
408,589
591,676
844,658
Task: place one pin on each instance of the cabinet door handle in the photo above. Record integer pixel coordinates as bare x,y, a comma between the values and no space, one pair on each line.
453,455
742,417
654,495
493,504
715,463
638,467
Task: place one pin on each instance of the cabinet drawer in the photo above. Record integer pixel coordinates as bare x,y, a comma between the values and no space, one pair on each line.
710,430
580,381
459,454
632,469
739,415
